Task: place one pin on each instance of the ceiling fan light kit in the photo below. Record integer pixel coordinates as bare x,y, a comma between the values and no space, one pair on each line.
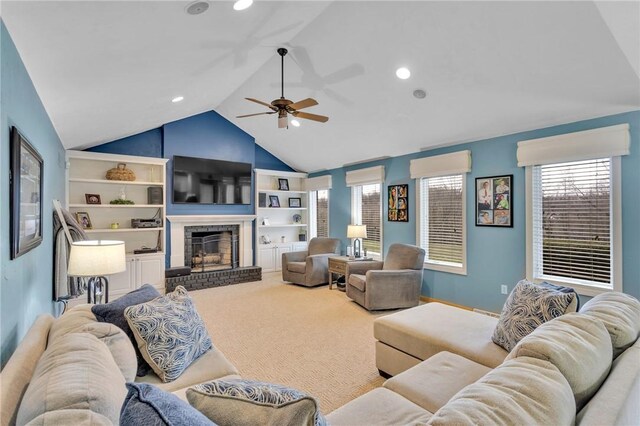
284,106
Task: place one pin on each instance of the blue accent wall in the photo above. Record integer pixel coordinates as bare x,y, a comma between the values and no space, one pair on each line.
268,161
495,256
26,282
146,144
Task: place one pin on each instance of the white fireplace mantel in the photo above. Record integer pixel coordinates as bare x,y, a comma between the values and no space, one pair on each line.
178,222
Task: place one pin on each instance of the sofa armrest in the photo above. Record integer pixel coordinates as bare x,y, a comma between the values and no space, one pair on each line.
392,287
361,267
294,256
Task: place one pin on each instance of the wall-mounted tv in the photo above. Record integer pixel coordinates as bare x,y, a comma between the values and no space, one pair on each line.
206,181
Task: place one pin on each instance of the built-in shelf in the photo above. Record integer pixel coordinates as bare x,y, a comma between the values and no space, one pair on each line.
115,206
104,230
116,182
277,191
281,208
284,225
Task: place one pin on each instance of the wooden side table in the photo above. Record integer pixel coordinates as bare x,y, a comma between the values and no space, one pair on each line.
338,266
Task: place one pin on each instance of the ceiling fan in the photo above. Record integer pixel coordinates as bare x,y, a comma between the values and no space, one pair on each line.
284,106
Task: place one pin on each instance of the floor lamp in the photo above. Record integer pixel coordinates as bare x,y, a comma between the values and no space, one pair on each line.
95,259
356,232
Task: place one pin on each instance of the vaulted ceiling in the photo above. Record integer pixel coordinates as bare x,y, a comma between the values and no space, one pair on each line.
109,69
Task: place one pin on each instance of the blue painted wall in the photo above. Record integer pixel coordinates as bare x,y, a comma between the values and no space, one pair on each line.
146,144
496,256
26,282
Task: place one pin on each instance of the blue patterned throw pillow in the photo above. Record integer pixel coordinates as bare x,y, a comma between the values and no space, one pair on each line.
528,306
247,403
150,406
169,332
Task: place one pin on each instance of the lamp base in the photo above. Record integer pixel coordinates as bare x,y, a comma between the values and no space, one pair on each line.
98,289
356,248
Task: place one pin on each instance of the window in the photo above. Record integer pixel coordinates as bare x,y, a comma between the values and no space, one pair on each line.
367,210
319,213
572,232
441,226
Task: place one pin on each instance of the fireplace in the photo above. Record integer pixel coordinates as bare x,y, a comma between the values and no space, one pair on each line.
210,248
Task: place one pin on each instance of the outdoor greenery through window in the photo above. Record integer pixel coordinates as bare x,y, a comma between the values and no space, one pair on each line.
322,213
442,220
367,211
572,222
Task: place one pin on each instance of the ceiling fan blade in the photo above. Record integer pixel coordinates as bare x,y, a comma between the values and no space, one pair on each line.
251,115
262,103
305,103
314,117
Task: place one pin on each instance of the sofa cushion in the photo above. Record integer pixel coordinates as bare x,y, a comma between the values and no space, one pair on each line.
425,330
247,402
618,396
433,382
76,372
118,344
298,267
404,256
209,366
522,391
358,281
71,321
321,245
147,405
620,314
528,306
113,312
169,332
70,417
578,345
379,407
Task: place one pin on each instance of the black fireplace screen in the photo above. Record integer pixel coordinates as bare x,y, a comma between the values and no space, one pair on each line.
214,251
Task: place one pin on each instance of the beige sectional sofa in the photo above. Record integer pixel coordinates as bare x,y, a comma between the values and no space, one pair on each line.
80,378
581,368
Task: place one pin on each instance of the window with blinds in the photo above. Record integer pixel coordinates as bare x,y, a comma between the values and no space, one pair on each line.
442,221
322,213
368,211
572,222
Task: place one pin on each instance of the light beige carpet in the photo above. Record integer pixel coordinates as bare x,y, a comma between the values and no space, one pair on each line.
312,339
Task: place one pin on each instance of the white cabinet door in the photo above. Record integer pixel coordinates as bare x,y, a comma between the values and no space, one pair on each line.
266,259
150,270
301,246
123,282
279,250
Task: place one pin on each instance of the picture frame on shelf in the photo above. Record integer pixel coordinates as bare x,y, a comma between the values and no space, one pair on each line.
295,202
25,196
92,198
274,201
283,184
494,201
84,220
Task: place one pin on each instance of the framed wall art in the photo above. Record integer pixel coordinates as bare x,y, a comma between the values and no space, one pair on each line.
398,203
494,201
25,195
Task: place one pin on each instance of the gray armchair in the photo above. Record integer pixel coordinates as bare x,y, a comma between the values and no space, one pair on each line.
310,268
392,284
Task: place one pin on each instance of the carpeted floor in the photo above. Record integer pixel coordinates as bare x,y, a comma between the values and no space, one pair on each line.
313,339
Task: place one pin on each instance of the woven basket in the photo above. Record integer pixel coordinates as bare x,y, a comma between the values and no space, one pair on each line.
121,173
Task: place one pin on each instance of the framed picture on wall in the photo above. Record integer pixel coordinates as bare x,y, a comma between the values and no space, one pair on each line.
25,195
494,201
398,203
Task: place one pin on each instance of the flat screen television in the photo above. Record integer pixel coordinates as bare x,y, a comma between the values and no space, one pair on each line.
206,181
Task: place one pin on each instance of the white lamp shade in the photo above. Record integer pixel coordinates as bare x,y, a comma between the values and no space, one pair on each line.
96,258
356,231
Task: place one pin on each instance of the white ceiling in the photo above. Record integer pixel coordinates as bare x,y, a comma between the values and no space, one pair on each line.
105,70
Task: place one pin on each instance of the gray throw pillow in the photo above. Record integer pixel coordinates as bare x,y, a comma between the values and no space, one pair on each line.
528,306
248,403
169,332
113,312
148,405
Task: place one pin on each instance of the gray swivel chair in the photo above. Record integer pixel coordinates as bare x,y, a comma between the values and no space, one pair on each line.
392,284
311,267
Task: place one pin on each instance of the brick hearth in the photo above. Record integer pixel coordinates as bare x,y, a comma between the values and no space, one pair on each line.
203,280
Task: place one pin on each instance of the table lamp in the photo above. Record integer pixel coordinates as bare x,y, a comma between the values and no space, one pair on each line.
356,232
95,259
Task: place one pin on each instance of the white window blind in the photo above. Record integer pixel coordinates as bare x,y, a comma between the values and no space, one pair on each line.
571,222
441,231
322,213
367,210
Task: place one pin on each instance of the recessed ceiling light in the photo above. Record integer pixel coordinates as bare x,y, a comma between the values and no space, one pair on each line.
242,4
403,73
177,99
197,7
295,123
